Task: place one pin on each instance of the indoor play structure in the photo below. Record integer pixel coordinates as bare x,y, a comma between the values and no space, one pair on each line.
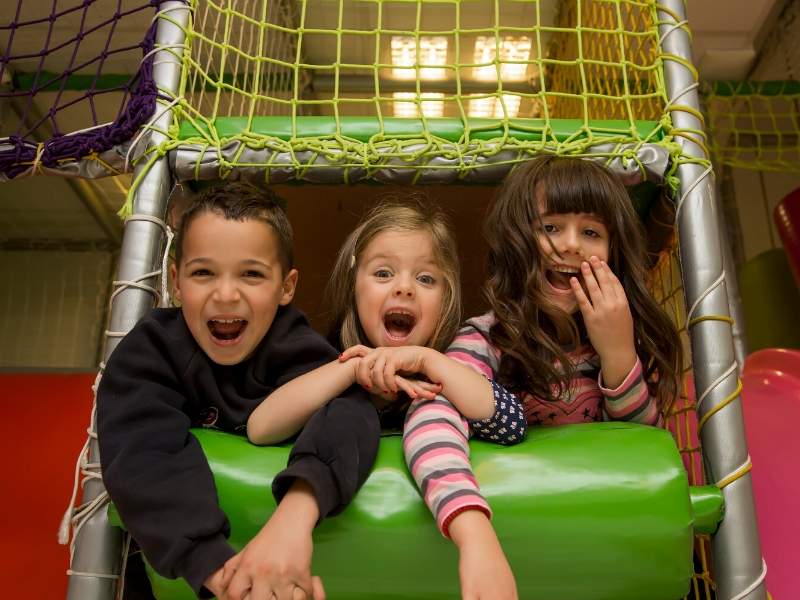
349,91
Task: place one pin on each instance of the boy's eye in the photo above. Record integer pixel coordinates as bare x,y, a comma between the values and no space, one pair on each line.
255,274
200,273
383,273
426,279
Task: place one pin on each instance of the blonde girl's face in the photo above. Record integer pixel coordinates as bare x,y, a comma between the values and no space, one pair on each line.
399,289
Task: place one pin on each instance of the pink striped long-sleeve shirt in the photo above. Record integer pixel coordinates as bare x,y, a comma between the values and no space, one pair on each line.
435,435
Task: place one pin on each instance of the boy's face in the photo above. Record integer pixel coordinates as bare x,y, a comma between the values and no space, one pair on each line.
230,284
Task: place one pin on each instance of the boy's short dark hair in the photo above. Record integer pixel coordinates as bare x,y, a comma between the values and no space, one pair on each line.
239,201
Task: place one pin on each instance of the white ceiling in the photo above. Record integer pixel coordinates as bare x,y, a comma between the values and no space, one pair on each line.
727,37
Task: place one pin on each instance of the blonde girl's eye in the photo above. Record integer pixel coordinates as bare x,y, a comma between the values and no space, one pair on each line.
383,273
426,279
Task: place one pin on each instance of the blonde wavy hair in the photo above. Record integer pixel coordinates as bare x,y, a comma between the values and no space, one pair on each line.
414,212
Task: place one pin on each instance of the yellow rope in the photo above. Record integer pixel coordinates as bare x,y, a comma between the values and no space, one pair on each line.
721,318
716,408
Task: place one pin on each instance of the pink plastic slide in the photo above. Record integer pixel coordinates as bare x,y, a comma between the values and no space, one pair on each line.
771,397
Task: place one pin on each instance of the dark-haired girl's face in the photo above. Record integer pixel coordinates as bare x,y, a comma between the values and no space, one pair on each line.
567,240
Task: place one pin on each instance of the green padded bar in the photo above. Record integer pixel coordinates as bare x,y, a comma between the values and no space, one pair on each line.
364,128
708,506
584,512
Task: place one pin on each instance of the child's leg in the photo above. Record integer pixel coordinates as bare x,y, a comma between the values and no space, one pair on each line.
435,444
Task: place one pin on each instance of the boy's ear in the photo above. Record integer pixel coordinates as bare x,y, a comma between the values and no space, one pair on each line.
289,286
176,289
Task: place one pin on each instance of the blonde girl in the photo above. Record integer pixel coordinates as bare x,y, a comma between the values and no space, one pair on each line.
395,298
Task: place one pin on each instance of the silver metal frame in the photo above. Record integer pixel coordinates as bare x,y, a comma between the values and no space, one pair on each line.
736,552
97,556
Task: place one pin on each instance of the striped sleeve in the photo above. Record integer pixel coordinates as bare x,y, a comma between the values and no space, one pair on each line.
435,444
472,347
631,400
507,426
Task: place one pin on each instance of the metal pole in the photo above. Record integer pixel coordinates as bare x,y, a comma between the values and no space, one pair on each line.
735,547
740,347
96,560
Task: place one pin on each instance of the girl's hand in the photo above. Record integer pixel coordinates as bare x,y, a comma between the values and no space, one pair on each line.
418,388
378,368
608,318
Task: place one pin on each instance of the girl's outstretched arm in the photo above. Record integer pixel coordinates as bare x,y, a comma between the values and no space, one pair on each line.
483,569
286,410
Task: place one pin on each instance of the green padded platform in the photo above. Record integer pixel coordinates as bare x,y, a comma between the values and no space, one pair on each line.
585,512
365,128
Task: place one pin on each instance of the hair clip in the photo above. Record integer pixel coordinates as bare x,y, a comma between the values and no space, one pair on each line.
352,260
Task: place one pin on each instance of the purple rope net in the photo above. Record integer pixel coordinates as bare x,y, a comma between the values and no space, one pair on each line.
64,70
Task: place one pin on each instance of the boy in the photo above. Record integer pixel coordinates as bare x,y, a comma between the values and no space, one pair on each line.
234,340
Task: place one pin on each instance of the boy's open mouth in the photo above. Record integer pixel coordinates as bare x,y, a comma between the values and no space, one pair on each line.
227,330
399,324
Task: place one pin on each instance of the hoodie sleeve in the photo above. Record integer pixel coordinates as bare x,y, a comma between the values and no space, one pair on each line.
153,468
336,449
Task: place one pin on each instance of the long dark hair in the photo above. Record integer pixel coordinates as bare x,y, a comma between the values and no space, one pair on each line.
529,326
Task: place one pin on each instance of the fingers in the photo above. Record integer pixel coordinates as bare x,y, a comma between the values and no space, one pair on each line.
418,389
435,388
407,386
299,594
364,371
595,293
317,588
583,302
421,389
354,351
229,570
239,587
608,282
614,281
378,376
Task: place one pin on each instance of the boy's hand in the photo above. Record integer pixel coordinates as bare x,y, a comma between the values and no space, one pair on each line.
608,319
215,583
277,561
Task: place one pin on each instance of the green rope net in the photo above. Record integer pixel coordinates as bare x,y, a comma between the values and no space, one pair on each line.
755,124
414,88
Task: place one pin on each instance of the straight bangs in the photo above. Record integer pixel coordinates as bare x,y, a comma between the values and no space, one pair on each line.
578,187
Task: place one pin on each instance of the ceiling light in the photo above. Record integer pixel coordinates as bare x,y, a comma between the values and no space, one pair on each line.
432,51
492,107
512,48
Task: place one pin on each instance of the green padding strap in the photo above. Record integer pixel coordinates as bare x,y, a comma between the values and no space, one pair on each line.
708,506
364,129
584,512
